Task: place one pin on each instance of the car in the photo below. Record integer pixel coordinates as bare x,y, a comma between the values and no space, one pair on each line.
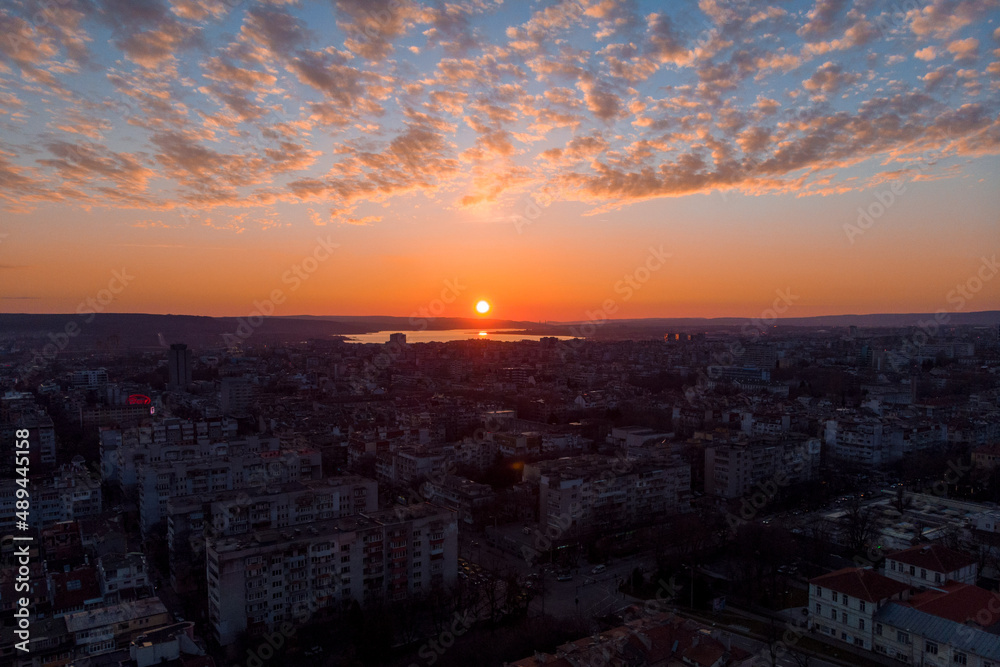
565,576
599,569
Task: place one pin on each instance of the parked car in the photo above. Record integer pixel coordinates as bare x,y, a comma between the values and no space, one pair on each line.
598,569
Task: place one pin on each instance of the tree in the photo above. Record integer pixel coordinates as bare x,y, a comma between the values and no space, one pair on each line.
859,526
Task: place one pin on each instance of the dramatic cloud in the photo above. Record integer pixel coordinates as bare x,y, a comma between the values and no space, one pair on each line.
349,104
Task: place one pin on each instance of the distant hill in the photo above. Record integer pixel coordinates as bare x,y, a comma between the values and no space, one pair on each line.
142,331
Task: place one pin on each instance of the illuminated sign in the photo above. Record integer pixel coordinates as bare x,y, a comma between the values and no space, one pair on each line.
139,399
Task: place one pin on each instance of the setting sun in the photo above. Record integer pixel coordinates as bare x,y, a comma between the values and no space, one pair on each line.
483,307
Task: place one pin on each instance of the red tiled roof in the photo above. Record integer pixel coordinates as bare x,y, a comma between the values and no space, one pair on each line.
861,583
86,588
933,557
705,653
960,603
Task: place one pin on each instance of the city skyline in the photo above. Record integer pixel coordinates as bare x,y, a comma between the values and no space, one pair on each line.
372,158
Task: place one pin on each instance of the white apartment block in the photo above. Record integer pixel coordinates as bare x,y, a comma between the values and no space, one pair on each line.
733,469
942,628
258,581
857,442
163,480
930,566
118,573
121,450
597,493
843,603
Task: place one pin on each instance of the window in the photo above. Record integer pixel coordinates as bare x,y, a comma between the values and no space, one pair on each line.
843,617
878,629
892,565
819,608
861,605
833,614
834,596
902,637
923,573
861,624
819,592
959,658
937,577
913,570
931,647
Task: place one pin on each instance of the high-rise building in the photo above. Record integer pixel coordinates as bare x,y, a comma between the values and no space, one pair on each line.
259,580
236,396
397,339
179,366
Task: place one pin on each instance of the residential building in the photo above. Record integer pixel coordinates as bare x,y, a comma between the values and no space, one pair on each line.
113,627
732,469
258,580
930,566
587,494
959,625
843,603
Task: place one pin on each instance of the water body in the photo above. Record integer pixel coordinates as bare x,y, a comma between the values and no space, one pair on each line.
446,335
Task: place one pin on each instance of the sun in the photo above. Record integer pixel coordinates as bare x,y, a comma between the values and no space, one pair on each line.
483,307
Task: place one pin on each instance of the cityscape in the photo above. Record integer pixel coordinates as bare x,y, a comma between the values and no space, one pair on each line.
563,333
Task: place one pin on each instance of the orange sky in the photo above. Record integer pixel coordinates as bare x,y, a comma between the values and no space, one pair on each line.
531,154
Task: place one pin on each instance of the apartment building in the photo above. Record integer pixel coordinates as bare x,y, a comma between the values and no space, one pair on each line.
930,566
957,625
272,576
732,469
600,493
843,603
159,482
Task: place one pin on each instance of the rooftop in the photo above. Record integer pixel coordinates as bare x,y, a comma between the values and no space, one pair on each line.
933,557
861,583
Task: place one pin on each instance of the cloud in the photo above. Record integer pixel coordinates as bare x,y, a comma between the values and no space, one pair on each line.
943,18
964,50
830,78
821,19
208,104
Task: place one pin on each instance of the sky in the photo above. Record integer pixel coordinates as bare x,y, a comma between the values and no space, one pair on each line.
564,160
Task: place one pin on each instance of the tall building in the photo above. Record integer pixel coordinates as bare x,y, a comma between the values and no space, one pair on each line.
86,379
397,339
595,494
179,365
160,481
732,469
259,580
236,396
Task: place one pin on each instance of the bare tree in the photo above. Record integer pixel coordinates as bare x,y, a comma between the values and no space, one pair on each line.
859,526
